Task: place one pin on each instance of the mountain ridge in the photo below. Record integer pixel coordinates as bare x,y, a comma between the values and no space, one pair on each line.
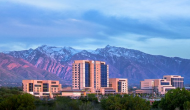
127,63
14,70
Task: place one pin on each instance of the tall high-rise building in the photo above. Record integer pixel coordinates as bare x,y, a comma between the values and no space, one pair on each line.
176,80
89,74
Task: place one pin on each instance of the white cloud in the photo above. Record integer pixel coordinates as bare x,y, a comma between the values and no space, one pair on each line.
122,8
155,46
16,46
47,4
60,28
146,11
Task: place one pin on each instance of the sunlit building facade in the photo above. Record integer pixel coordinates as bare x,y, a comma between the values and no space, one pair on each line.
176,80
120,85
89,74
147,86
41,88
161,86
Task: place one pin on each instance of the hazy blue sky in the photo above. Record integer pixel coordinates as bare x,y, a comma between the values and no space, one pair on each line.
159,27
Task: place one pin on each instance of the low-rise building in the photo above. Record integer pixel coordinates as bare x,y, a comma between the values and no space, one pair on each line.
147,86
161,86
88,76
41,88
176,80
120,85
73,93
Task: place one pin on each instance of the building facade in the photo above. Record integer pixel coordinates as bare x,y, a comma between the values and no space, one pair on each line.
120,85
147,86
90,75
176,80
161,86
41,88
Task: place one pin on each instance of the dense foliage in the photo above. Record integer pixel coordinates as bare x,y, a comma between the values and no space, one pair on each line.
66,103
125,102
174,99
7,92
18,102
14,99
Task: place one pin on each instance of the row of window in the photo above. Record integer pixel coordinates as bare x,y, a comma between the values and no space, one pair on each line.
103,75
165,83
178,84
176,79
53,82
87,75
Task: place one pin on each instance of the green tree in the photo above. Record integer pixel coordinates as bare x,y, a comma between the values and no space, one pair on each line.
125,103
6,92
92,98
86,106
66,103
186,105
18,102
156,104
175,98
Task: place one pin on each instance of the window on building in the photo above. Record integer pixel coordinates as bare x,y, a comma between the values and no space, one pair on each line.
39,81
30,87
53,82
165,83
37,85
45,87
87,74
103,75
119,86
54,86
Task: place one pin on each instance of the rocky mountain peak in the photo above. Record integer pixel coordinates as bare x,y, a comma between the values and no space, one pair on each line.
127,63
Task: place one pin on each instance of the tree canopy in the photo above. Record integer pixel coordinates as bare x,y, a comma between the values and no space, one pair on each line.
173,99
125,102
18,102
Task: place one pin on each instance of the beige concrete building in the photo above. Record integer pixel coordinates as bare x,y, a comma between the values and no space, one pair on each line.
142,91
120,85
89,75
147,86
161,86
40,88
176,80
73,93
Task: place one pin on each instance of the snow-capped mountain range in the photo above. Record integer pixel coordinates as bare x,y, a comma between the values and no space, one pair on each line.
123,63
